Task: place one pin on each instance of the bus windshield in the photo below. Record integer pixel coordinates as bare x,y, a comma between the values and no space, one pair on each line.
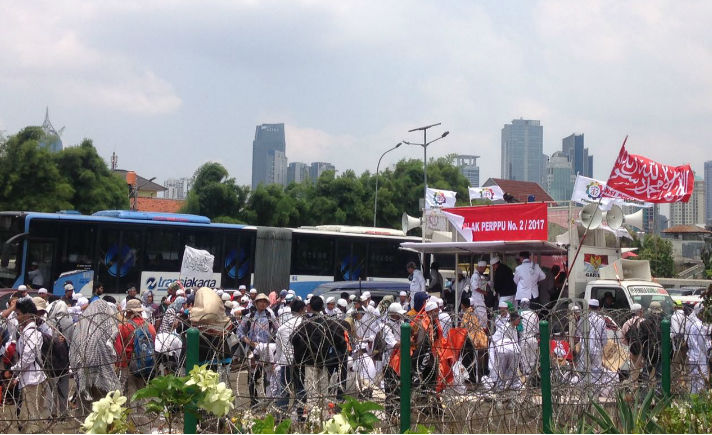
10,252
644,295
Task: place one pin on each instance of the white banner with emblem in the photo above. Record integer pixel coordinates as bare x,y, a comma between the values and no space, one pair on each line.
197,264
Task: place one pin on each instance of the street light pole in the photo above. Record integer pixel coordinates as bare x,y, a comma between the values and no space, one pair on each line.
135,192
375,197
425,154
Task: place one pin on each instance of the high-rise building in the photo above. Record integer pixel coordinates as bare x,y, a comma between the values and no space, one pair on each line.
269,161
318,168
573,147
177,188
297,172
469,169
52,141
693,211
560,177
708,192
522,151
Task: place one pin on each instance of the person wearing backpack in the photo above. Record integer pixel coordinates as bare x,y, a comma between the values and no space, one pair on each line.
259,325
134,348
631,338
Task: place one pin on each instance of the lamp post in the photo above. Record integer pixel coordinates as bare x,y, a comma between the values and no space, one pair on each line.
375,197
425,153
134,192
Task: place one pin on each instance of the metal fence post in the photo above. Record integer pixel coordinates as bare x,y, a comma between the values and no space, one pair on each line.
190,418
666,345
545,369
405,377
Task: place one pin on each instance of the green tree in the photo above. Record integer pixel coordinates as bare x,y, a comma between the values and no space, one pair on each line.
215,195
659,252
30,179
95,187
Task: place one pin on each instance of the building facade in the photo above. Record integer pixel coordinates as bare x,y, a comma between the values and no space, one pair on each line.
560,177
469,169
269,160
177,188
573,147
693,211
708,192
297,172
522,151
318,168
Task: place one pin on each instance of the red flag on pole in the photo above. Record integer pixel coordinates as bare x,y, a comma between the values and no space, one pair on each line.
647,180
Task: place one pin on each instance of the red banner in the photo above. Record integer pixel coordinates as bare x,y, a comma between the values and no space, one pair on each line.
505,222
647,180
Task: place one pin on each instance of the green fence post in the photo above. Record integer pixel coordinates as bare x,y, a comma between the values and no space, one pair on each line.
666,345
190,419
545,370
405,377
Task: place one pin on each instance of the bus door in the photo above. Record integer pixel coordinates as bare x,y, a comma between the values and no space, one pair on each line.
120,259
40,262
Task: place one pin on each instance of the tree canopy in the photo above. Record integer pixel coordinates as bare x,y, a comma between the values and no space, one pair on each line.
215,195
659,252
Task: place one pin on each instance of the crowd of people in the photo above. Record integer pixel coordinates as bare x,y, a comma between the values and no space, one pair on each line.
64,352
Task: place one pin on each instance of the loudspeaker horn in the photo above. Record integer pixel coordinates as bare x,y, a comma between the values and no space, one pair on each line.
409,222
634,219
614,217
591,216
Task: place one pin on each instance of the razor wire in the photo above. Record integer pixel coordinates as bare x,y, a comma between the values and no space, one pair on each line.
476,386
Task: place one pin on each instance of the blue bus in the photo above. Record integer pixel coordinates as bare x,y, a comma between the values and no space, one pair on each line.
121,248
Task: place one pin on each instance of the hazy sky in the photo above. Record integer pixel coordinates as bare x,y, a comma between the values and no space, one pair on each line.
170,85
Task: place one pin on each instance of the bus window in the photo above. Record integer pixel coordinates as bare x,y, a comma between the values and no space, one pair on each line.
350,260
119,264
163,250
237,266
40,254
76,247
312,255
383,260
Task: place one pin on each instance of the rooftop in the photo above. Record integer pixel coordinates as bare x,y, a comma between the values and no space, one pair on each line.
159,205
142,184
520,190
690,229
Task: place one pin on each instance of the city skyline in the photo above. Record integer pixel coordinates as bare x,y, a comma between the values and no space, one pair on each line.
192,83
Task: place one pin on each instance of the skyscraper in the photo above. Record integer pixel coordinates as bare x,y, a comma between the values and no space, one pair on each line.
560,177
318,168
269,161
693,211
522,151
708,192
573,147
177,187
469,169
52,141
297,172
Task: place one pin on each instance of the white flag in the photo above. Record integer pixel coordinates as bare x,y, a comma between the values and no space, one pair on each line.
493,193
197,264
440,198
587,190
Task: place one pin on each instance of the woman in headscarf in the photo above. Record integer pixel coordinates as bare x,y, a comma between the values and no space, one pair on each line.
91,352
171,318
150,309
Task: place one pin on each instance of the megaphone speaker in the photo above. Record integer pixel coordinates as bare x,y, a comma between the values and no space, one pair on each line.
409,222
634,219
614,217
591,216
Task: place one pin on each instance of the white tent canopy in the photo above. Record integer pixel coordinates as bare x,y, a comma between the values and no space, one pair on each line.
538,247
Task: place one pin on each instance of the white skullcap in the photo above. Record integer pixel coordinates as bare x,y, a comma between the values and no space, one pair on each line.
219,292
42,291
82,301
482,263
636,307
342,303
367,294
289,297
503,304
364,298
352,297
593,303
225,297
494,260
403,293
228,304
331,300
253,290
23,287
67,287
292,292
431,305
439,302
575,307
242,287
395,307
245,299
76,296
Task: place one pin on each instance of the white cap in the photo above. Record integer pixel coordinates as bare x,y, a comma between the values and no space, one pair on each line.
331,300
82,301
76,296
23,288
242,287
431,305
352,297
403,293
228,304
253,291
372,304
342,303
364,297
42,291
395,307
67,287
482,263
245,299
291,292
593,303
503,304
180,292
439,302
289,297
575,307
225,297
636,307
219,292
367,294
494,260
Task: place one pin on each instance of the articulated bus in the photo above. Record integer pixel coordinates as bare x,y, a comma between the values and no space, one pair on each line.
126,248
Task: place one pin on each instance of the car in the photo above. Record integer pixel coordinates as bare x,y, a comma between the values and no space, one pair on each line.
687,295
378,289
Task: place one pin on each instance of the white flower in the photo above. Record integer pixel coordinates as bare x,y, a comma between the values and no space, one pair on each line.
105,412
337,425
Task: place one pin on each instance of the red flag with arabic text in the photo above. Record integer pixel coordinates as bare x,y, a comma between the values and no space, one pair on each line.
647,180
